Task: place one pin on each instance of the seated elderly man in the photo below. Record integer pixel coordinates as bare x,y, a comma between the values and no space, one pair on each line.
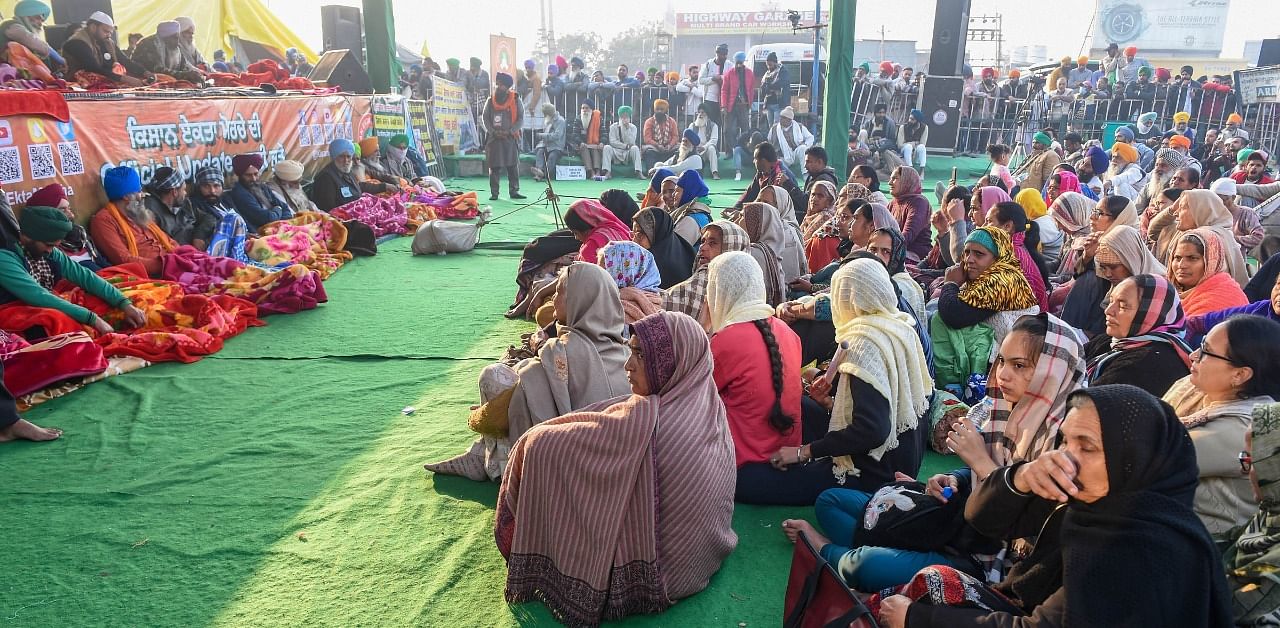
402,161
375,170
253,200
286,183
161,53
25,29
94,49
30,269
167,201
230,231
124,229
336,183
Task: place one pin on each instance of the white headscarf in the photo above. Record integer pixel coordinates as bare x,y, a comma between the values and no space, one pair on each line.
735,290
879,346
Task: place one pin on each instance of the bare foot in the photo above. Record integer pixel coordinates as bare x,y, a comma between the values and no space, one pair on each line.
26,430
793,528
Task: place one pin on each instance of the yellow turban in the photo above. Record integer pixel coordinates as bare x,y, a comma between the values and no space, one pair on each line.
1181,116
369,146
661,105
1083,60
1126,152
1032,203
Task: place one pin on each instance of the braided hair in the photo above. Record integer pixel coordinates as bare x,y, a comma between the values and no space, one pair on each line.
777,418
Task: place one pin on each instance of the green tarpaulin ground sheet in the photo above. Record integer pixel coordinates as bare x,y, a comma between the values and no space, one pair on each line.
279,483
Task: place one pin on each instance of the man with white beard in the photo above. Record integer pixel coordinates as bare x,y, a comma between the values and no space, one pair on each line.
1124,178
623,146
709,139
124,229
791,140
587,135
1168,162
336,184
686,157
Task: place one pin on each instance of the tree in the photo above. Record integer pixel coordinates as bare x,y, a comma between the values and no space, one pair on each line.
584,45
635,47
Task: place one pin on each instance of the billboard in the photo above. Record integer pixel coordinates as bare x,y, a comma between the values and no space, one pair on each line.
1183,26
502,57
1258,85
736,22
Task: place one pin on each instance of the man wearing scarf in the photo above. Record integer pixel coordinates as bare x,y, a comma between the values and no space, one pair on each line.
708,137
791,139
1146,130
687,156
230,233
161,53
252,200
187,42
167,201
587,135
770,172
502,118
736,96
31,267
286,183
93,49
1125,178
336,184
124,229
623,146
1038,167
401,161
661,135
24,29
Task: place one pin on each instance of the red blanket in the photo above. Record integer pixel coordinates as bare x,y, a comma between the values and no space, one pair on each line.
34,103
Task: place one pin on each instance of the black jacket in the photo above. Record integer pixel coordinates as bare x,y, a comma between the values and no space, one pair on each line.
334,189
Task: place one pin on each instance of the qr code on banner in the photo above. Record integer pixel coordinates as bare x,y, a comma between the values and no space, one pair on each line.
304,135
10,165
72,162
41,159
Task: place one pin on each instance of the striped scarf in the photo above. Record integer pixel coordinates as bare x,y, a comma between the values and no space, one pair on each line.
1160,319
1020,432
690,296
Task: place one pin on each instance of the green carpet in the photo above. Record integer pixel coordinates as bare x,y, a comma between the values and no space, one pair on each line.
278,483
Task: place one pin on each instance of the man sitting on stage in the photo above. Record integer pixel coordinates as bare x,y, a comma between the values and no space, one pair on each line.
124,230
30,269
336,184
167,201
93,49
286,182
661,135
250,197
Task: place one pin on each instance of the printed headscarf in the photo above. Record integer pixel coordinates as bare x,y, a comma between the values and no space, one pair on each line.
630,265
898,257
1020,432
1002,287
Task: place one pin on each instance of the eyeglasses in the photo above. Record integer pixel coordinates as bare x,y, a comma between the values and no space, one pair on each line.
1246,462
1198,356
1098,213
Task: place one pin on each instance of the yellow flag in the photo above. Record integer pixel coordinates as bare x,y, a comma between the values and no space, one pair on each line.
426,52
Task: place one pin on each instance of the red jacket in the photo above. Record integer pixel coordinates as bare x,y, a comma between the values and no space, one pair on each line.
1238,177
729,88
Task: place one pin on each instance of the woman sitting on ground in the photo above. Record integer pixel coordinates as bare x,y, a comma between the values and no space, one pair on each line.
652,196
1236,368
691,214
950,222
822,238
853,225
1252,557
1036,211
1198,326
654,521
888,245
768,240
1010,217
1039,365
690,296
581,365
653,229
1159,222
1070,211
1203,209
637,277
757,365
793,257
821,209
1082,306
1143,343
1111,507
594,226
1197,266
867,177
876,393
980,301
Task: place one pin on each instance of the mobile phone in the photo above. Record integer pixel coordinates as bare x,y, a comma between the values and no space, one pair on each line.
954,172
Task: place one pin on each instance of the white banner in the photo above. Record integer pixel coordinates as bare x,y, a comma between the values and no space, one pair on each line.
1259,85
1162,25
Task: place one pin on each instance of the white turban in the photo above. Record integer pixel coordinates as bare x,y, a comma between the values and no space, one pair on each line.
185,23
167,29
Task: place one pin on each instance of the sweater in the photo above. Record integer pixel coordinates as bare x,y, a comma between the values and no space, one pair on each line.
17,284
867,430
744,378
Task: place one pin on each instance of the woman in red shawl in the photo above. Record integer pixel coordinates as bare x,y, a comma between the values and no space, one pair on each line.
594,226
911,209
1198,268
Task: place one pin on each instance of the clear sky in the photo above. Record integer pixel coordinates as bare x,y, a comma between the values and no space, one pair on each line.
1061,25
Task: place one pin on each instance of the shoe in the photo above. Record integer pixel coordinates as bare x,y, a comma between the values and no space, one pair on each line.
640,175
493,196
516,196
537,173
737,176
715,176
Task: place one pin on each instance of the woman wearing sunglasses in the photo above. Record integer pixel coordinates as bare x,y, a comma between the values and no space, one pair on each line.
1236,368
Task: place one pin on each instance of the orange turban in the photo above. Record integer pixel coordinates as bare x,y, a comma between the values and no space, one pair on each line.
1126,152
1180,141
369,146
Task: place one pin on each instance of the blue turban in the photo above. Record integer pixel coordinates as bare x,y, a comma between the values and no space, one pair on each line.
31,8
655,183
739,56
341,146
1126,132
691,186
589,103
692,136
504,79
1098,159
984,240
120,182
917,115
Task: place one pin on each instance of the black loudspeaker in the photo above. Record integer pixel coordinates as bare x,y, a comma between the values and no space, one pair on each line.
68,11
940,101
950,30
339,68
343,30
57,34
1269,53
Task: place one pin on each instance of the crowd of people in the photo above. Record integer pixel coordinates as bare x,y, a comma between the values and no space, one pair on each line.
1092,336
170,267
